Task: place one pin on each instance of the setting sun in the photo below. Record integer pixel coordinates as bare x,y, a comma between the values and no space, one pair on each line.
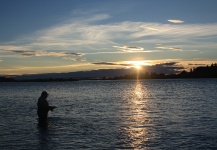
138,67
138,64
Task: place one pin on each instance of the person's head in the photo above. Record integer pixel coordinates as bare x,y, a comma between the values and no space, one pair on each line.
44,94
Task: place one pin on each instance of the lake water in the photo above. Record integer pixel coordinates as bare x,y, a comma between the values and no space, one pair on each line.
124,114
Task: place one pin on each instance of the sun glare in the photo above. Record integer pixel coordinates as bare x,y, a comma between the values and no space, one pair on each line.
138,67
138,64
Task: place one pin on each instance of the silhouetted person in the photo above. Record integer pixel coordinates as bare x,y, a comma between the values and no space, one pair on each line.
43,107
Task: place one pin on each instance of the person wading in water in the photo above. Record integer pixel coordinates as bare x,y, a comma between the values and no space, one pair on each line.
43,107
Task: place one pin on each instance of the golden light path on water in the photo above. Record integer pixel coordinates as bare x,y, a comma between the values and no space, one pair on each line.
138,121
137,131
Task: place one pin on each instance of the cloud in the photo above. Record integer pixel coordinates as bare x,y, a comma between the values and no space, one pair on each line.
24,53
45,53
57,54
104,63
170,48
176,21
197,64
74,54
168,64
74,59
167,68
122,52
150,28
124,63
129,48
13,47
110,64
113,64
173,33
86,33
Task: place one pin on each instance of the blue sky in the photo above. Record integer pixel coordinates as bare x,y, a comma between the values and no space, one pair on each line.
77,35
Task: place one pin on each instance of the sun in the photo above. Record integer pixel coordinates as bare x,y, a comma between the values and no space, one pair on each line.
137,66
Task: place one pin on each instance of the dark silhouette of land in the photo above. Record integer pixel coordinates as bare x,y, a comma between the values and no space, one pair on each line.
6,79
198,72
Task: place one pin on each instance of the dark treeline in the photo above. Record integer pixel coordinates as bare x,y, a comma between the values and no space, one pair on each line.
199,72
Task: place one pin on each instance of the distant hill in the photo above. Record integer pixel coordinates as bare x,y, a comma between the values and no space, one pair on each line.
5,79
79,75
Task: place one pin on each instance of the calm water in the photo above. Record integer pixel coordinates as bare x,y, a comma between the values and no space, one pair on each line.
146,114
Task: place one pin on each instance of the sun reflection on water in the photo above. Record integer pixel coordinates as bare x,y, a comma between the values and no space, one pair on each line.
137,120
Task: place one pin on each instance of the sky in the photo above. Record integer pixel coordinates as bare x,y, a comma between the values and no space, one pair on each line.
55,36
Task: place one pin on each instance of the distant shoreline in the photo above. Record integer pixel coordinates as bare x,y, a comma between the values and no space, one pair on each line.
66,80
199,72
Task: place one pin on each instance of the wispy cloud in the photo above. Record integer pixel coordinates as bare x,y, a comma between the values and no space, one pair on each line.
168,67
45,53
129,48
74,59
170,48
150,28
112,64
197,64
14,46
168,64
124,63
123,52
87,34
57,54
176,21
24,53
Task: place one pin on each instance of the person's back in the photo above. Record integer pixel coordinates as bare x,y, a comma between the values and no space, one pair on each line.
43,107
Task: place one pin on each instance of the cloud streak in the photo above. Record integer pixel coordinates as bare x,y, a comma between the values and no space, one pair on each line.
74,59
176,21
45,53
170,48
129,48
112,64
124,63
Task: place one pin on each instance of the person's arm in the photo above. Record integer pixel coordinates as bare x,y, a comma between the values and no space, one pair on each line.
52,107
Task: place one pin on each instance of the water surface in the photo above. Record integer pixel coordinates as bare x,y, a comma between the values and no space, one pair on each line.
125,114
